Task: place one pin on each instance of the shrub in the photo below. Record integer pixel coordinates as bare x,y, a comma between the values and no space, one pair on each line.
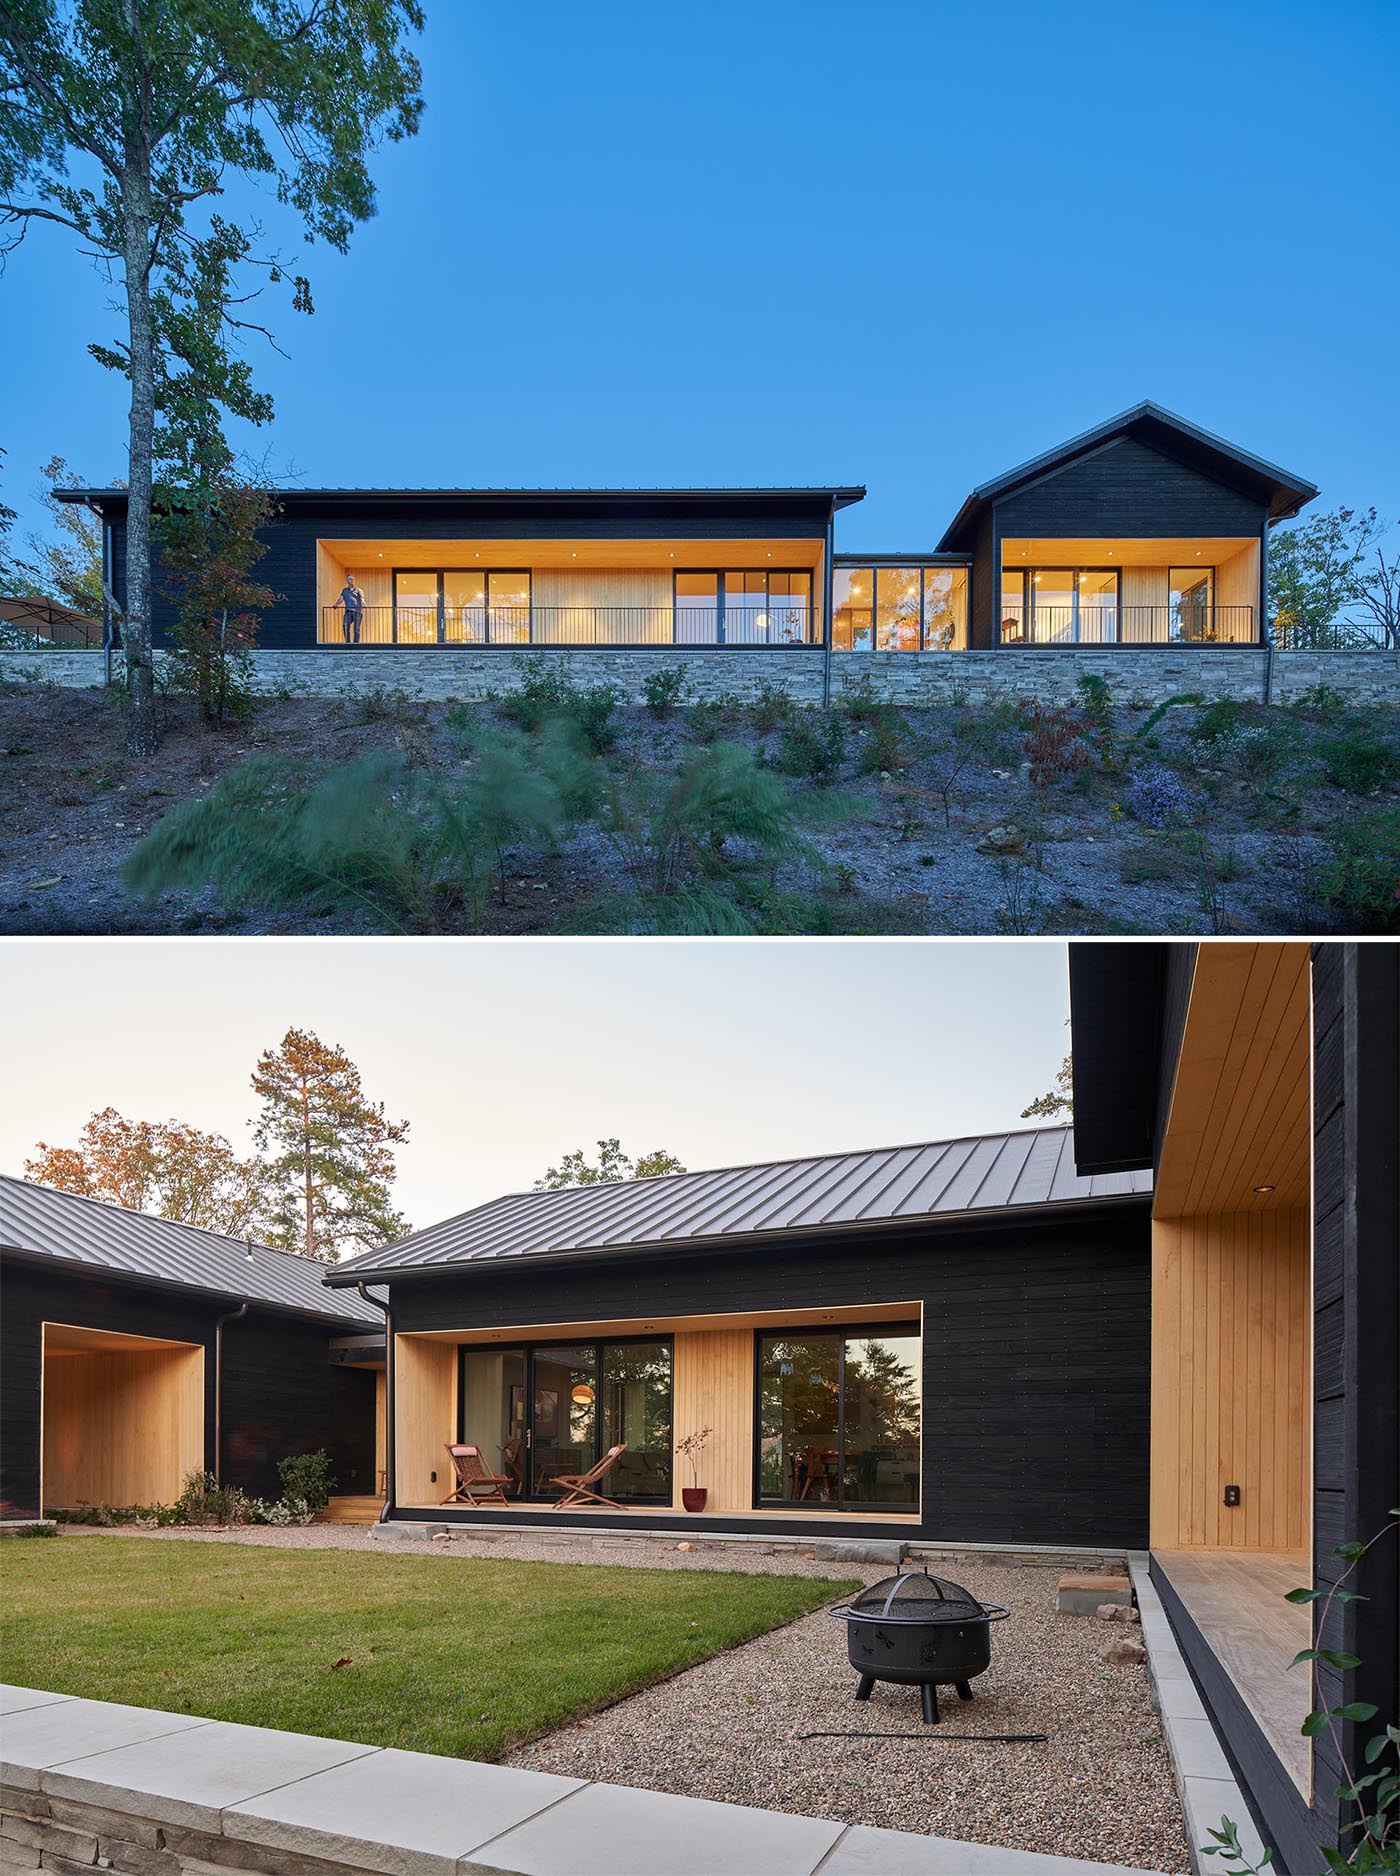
203,1500
771,707
882,749
1324,703
710,717
593,711
664,689
1054,744
1158,798
859,700
1149,864
1219,721
1096,714
1360,762
306,1479
34,1530
813,746
377,703
1359,881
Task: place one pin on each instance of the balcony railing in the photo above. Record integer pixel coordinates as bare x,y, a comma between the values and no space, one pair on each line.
778,625
1126,625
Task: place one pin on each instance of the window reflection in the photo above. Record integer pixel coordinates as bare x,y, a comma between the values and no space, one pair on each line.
899,608
853,608
839,1419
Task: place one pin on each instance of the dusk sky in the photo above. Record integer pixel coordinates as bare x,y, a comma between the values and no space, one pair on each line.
904,244
503,1056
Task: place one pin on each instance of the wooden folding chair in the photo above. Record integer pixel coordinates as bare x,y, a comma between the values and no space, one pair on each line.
476,1483
580,1484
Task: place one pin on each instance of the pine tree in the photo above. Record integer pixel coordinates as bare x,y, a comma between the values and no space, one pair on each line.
331,1162
613,1166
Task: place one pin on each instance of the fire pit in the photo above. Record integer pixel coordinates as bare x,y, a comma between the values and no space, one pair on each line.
919,1630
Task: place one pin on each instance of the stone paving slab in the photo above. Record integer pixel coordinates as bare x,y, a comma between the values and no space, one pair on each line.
614,1830
40,1737
191,1777
1205,1783
19,1699
864,1851
404,1813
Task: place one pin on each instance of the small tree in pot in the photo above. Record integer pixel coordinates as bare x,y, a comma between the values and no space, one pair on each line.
693,1496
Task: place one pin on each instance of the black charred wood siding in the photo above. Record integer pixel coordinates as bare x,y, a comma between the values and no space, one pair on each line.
289,565
280,1392
1356,1326
1128,489
1036,1342
985,608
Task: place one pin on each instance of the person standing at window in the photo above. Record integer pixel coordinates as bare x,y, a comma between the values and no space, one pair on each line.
352,602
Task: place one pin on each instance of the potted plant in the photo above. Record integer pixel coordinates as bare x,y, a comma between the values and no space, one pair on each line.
693,1496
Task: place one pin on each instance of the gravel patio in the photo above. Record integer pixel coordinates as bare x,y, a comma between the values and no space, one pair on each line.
1102,1786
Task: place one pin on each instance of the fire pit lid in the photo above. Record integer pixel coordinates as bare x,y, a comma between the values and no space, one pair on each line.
917,1596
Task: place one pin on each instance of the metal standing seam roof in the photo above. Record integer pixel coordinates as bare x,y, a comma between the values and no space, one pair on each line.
843,494
944,1179
67,1230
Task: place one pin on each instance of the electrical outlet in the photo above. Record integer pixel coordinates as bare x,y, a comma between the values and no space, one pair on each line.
1232,1495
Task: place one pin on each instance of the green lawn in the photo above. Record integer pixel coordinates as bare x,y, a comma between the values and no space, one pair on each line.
467,1656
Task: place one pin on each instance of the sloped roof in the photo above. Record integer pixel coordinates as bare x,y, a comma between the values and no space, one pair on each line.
38,1223
841,495
1281,492
939,1180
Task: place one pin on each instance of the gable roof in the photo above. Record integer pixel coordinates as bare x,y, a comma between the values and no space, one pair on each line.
85,1235
840,496
904,1185
1281,492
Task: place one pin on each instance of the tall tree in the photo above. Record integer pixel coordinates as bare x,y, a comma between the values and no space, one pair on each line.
1317,571
331,1164
613,1167
210,544
67,564
166,1167
123,122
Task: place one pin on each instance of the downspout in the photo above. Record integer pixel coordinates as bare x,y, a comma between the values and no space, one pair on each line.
388,1506
1266,630
233,1315
828,587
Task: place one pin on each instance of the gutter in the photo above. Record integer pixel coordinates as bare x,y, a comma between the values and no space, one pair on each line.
232,1315
386,1510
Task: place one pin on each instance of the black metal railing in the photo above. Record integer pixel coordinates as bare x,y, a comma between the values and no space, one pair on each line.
1126,625
1341,635
775,623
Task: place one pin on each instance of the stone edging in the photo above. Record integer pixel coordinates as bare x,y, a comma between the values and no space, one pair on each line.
88,1784
1207,1786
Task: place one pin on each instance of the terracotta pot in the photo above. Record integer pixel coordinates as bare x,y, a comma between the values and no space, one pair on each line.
693,1496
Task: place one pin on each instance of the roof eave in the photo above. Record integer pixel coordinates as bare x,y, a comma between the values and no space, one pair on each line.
655,1247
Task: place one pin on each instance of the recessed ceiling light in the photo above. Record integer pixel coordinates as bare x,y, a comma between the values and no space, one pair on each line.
1263,1189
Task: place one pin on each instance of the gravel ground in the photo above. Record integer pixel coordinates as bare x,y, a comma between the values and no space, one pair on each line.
901,860
1101,1787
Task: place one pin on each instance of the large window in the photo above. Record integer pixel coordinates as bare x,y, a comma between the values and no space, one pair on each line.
1191,597
744,607
456,606
1059,605
838,1418
899,608
545,1409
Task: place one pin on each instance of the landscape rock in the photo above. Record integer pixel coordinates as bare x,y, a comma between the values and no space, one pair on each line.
1003,839
1124,1653
1116,1612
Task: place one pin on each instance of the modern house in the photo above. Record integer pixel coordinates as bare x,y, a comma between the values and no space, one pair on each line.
946,1341
1260,1085
1143,531
134,1350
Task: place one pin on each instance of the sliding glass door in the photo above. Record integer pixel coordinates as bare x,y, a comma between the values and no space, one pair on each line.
838,1419
545,1410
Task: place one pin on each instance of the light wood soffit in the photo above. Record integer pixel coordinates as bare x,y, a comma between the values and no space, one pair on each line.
1115,550
669,1325
1240,1107
613,555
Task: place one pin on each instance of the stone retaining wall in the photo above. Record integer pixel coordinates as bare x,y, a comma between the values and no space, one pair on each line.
1050,675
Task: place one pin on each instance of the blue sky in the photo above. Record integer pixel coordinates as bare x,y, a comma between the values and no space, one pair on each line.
503,1056
904,244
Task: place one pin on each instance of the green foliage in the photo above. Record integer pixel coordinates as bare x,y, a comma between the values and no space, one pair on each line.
378,703
1154,717
48,1529
546,692
883,750
593,710
860,700
67,566
664,688
1359,880
1323,702
771,707
1096,717
306,1479
709,717
330,1166
210,543
1317,571
813,746
1220,720
1360,761
1057,1100
612,1168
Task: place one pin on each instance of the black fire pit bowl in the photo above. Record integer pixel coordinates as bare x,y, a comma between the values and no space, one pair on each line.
922,1631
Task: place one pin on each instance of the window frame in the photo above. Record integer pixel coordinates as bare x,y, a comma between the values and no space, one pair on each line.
923,567
843,1332
1027,576
514,573
719,575
527,1345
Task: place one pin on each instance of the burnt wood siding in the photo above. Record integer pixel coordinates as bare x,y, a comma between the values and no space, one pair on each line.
280,1393
1036,1338
289,565
1356,1323
984,615
1129,489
